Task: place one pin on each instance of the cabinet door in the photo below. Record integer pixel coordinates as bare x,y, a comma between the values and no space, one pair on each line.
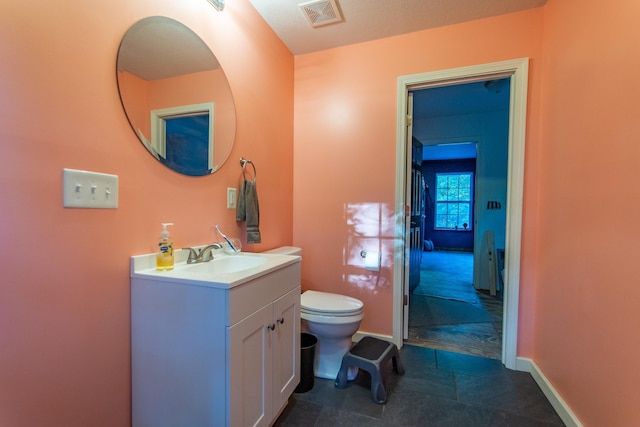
250,375
286,348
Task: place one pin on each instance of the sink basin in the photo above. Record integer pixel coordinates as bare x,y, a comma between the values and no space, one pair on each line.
227,264
224,271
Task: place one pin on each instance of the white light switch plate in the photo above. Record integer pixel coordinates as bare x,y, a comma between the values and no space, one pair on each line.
232,196
84,189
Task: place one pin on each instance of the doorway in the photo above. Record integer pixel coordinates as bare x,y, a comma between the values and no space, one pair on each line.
517,72
452,305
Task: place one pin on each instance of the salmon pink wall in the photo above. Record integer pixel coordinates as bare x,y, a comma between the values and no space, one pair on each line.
586,339
134,93
345,152
64,293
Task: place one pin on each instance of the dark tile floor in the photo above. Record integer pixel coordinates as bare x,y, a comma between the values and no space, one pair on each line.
439,388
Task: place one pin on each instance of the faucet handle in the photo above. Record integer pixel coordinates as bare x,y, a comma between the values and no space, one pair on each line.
210,257
193,255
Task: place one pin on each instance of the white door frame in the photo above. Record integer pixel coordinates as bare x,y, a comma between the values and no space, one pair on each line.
518,71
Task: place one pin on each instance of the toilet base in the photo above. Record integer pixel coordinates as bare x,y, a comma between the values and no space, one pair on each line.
329,353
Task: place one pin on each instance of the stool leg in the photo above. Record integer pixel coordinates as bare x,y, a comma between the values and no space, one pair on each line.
341,379
378,392
397,362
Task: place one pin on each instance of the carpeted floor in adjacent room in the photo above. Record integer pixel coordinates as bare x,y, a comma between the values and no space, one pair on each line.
447,313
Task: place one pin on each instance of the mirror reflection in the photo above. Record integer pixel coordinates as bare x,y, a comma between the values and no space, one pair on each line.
176,96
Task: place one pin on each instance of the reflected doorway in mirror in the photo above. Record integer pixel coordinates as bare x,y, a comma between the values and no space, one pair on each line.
183,137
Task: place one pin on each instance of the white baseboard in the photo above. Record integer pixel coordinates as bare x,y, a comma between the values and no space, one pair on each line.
359,335
558,403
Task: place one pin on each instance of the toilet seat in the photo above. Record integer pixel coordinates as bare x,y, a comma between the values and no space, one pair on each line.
329,304
332,320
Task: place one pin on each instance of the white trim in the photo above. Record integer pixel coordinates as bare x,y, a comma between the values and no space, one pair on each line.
558,403
400,240
515,190
359,335
517,70
158,129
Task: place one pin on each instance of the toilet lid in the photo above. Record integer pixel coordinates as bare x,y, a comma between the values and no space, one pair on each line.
324,302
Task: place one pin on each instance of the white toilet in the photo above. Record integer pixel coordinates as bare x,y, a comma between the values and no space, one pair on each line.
333,319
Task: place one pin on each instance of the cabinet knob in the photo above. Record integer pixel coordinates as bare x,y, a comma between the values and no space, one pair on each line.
281,320
271,326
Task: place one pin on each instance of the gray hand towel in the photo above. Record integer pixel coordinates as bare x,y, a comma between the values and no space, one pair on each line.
249,211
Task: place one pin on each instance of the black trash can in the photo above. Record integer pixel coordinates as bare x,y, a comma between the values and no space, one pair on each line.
307,359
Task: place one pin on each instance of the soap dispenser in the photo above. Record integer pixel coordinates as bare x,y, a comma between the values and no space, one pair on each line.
164,259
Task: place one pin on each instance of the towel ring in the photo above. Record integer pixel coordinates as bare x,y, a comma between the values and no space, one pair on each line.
243,163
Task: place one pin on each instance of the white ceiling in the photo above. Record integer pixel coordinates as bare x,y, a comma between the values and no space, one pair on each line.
365,20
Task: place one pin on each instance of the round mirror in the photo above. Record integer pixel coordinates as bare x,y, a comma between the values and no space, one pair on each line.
176,96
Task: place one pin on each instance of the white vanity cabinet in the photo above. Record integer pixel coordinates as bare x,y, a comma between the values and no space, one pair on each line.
267,338
206,355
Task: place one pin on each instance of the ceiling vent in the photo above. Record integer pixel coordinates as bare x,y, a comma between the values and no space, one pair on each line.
321,12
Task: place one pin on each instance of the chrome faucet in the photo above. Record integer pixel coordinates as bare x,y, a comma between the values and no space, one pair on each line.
203,255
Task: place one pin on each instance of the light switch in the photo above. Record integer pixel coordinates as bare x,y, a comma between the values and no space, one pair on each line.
231,198
84,189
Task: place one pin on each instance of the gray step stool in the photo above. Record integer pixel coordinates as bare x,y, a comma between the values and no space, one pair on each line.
371,354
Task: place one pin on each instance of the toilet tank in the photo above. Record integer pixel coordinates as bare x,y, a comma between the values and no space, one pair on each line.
285,250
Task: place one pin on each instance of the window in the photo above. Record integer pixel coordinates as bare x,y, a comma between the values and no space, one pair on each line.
454,199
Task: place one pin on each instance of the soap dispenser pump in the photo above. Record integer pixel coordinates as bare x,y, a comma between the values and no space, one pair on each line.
164,258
